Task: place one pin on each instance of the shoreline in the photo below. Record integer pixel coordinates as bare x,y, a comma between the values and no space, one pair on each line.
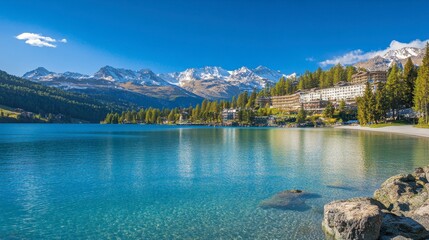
408,130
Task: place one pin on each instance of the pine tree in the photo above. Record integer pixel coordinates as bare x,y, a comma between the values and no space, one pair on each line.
171,117
381,103
338,73
329,110
252,100
369,104
300,117
361,113
350,71
421,91
233,102
395,89
409,75
366,106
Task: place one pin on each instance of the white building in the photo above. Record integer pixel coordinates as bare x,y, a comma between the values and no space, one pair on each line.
337,93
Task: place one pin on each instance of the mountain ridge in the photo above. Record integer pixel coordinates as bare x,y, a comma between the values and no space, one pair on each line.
209,82
382,62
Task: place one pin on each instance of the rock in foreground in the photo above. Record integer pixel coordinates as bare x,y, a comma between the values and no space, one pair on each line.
399,210
358,218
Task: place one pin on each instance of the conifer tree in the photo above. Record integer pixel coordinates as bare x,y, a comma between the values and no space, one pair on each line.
300,118
409,76
329,110
381,103
421,91
395,90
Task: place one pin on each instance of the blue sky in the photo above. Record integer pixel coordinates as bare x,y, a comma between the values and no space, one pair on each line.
290,36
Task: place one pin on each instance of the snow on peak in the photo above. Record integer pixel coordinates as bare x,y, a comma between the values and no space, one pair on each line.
120,75
244,77
37,74
74,75
403,53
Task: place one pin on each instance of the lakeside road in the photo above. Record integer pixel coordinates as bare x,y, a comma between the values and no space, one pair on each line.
406,130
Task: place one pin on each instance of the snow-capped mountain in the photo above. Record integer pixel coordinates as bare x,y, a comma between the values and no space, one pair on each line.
120,75
206,81
124,85
267,73
403,53
205,73
398,56
37,74
42,74
74,75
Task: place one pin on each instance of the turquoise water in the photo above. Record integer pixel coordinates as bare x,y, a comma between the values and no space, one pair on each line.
157,182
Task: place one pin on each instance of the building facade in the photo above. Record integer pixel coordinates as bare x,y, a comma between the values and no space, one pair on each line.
288,102
345,92
263,101
372,76
230,114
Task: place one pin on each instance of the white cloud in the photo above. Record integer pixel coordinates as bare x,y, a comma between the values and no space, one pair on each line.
310,59
38,40
359,55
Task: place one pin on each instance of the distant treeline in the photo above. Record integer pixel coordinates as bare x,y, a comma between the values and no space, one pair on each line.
209,112
16,92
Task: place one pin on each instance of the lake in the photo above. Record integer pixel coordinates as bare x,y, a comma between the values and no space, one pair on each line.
167,182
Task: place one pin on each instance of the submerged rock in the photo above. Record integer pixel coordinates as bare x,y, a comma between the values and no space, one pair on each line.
289,200
403,201
358,218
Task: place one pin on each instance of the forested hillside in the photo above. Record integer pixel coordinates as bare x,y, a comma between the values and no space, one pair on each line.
16,92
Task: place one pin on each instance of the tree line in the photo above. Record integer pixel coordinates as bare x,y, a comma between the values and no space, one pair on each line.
404,89
208,112
16,92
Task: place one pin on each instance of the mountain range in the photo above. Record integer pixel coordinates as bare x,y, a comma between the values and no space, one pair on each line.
399,57
145,88
177,88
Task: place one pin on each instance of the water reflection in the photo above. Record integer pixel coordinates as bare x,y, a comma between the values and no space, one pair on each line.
160,183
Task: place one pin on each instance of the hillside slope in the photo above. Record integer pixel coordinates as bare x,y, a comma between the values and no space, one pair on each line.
16,92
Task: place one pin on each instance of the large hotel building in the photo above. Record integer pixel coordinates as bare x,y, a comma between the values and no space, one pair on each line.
316,99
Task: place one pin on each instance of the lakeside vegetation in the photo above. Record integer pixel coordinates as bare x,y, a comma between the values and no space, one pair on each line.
405,88
47,102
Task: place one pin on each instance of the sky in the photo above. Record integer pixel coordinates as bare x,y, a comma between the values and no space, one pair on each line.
170,35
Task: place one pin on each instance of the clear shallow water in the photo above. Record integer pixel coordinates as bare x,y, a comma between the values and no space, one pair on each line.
152,182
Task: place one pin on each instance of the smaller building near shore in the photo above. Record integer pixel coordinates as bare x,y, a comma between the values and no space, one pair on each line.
230,114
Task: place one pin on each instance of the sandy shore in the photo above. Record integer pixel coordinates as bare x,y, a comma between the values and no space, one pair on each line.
407,130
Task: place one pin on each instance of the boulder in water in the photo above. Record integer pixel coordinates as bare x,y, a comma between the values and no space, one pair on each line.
357,218
289,200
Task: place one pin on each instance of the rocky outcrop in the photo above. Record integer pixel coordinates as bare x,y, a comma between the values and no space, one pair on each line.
401,205
358,218
289,200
